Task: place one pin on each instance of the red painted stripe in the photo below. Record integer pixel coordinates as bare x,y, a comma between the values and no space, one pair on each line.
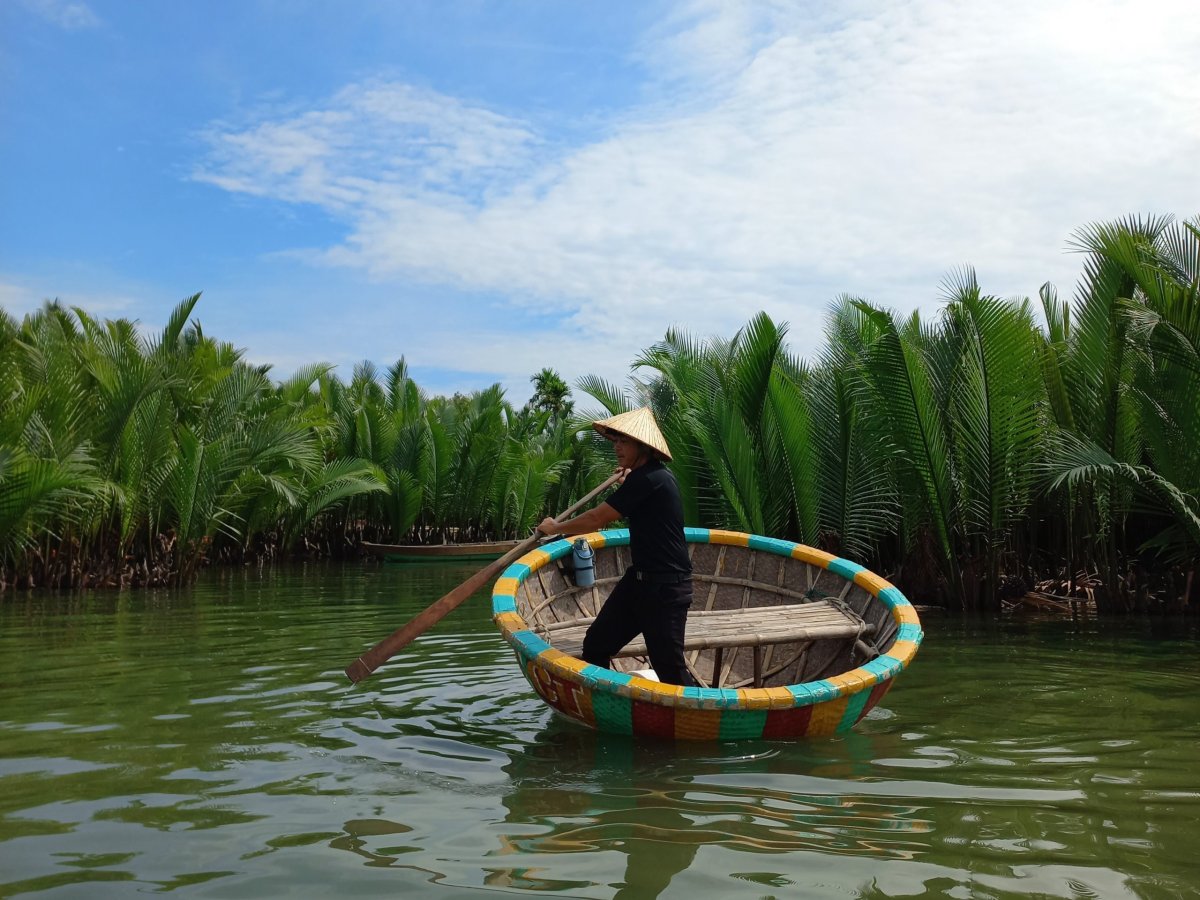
785,723
653,720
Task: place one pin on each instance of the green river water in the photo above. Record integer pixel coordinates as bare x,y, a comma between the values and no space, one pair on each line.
205,743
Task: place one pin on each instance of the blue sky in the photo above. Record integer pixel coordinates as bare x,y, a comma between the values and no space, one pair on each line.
488,188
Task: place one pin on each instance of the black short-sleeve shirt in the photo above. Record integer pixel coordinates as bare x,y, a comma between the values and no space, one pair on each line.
649,500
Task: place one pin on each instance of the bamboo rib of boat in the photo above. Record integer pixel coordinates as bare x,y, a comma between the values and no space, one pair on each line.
785,640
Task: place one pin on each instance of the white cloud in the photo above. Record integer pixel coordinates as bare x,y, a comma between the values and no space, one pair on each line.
18,298
64,13
371,141
783,158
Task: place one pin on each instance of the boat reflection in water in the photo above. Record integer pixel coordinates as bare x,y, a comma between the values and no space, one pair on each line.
578,794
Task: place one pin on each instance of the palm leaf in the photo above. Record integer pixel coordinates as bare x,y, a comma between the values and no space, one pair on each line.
1074,462
901,381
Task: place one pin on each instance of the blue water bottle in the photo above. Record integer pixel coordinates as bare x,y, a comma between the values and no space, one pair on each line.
585,570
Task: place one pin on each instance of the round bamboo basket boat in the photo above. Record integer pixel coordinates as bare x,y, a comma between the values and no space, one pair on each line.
788,641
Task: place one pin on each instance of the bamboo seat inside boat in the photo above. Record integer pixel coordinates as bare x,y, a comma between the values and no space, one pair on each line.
746,627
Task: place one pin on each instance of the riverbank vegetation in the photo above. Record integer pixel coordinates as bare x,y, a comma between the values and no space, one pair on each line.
134,460
1000,444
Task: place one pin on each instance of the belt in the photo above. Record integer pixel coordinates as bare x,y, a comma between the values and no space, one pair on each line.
662,577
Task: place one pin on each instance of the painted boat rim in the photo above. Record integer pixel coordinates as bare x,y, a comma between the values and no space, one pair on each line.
529,645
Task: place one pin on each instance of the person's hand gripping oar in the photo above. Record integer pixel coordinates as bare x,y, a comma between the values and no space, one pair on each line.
403,636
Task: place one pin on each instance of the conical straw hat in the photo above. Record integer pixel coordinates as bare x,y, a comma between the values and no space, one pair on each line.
638,424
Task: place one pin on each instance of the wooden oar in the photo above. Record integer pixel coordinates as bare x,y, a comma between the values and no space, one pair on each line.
403,636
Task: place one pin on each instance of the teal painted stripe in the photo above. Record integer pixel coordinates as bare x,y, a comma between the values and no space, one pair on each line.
590,675
729,699
896,667
502,603
742,724
613,712
618,537
891,598
605,679
813,692
909,632
712,698
697,535
529,642
771,545
854,708
883,667
558,549
845,568
518,571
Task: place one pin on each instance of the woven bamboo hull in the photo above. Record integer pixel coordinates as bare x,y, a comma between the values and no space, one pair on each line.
438,552
806,687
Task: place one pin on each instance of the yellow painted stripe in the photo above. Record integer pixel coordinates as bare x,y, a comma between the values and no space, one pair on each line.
905,615
654,691
827,716
781,698
903,651
569,663
843,682
535,559
505,587
734,538
813,556
871,582
596,539
510,622
853,681
755,698
697,724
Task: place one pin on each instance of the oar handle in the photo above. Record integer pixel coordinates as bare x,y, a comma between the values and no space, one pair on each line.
403,636
609,482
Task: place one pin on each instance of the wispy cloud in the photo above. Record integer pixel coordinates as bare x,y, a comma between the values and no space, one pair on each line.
783,156
371,142
67,14
18,298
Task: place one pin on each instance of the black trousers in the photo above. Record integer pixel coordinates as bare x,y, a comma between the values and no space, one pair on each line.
658,612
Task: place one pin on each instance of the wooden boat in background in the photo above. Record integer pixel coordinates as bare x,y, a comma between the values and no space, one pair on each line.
439,552
786,640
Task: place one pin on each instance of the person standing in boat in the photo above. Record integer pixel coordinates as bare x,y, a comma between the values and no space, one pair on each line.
653,596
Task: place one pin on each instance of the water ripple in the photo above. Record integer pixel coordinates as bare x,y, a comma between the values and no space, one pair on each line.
205,742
